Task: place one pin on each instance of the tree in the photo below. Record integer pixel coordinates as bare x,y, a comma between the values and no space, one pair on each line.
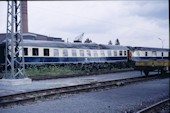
117,42
87,41
110,42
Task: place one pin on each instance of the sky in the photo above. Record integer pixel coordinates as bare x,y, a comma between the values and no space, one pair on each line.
133,22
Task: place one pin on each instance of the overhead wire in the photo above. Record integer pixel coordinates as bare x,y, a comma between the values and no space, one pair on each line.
51,11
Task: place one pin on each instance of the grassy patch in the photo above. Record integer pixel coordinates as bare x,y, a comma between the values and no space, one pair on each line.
68,70
51,70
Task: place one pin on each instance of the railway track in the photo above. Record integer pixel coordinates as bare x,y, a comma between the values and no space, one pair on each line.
46,93
156,107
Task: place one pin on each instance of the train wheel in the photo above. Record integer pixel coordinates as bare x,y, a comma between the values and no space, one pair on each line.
163,71
146,73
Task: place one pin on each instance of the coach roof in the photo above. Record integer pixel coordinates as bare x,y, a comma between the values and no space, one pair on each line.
72,45
150,49
55,44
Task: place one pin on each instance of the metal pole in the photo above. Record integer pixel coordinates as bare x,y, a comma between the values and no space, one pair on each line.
162,42
162,46
14,63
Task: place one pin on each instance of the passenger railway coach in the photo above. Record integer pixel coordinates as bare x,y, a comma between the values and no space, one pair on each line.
151,59
147,53
45,52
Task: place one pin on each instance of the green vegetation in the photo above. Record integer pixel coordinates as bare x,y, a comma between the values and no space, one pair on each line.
75,69
51,70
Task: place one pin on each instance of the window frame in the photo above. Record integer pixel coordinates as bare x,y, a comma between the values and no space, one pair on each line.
88,53
138,53
65,52
56,52
146,53
74,52
102,54
46,52
95,53
120,53
115,53
154,53
162,54
37,51
125,53
25,51
81,52
109,53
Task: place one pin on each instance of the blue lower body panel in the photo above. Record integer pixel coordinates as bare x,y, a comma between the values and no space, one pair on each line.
149,58
72,59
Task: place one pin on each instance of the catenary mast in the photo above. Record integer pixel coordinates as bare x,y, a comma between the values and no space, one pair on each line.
14,63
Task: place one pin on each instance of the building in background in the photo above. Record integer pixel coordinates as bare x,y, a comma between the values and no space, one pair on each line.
26,34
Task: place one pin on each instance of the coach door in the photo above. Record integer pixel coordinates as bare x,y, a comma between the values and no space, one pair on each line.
129,55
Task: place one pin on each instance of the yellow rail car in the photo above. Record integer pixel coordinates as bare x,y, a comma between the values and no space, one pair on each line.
152,65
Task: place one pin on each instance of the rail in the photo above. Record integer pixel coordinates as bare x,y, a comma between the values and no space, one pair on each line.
152,107
41,94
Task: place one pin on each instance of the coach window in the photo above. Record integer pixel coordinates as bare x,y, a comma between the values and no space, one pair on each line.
56,52
95,53
146,53
46,52
35,51
115,53
88,53
25,51
154,53
65,52
81,52
162,54
74,53
109,53
120,53
124,53
102,53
